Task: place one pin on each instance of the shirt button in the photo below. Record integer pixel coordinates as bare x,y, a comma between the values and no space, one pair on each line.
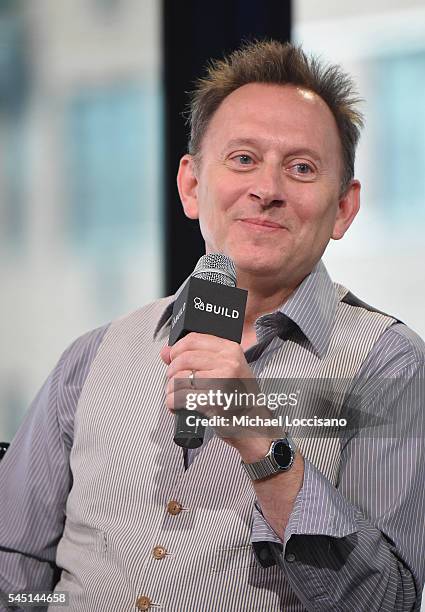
173,507
290,557
159,552
143,603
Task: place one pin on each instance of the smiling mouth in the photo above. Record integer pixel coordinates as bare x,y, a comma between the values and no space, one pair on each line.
262,223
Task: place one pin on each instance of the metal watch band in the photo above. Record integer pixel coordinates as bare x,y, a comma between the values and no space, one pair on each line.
261,469
268,466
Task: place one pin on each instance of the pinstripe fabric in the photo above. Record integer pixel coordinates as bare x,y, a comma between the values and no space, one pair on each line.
35,476
125,471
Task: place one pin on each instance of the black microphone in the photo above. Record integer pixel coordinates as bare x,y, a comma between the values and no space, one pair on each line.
202,306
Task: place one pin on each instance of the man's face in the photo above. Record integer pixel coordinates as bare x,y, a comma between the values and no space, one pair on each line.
267,188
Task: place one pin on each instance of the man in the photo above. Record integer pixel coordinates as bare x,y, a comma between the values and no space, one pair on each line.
105,501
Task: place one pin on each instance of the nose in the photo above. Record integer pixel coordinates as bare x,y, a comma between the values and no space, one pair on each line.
267,188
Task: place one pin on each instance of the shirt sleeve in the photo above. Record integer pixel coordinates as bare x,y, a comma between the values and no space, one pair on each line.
35,477
359,545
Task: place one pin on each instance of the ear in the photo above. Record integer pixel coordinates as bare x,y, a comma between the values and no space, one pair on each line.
187,184
348,207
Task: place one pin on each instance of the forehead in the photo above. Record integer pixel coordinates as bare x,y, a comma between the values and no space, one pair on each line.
279,115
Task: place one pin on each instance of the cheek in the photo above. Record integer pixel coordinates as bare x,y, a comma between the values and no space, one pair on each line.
300,211
218,205
313,210
229,190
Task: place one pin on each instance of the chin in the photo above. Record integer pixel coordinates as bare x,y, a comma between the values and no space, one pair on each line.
257,266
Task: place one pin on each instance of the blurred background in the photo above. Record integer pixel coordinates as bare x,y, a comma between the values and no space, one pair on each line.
91,130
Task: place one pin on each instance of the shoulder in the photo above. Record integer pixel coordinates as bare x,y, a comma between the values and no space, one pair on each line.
74,365
152,314
398,353
81,352
67,380
397,347
400,345
77,359
141,325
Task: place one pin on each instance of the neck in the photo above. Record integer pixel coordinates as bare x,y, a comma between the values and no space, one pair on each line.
259,304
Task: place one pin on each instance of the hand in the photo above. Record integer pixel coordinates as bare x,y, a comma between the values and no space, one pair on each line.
209,356
218,364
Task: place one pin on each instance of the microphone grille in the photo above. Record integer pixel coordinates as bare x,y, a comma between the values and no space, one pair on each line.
217,268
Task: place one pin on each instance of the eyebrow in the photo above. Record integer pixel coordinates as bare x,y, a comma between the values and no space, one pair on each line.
247,142
240,142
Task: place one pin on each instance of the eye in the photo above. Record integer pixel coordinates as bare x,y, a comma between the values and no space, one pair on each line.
303,168
244,159
241,161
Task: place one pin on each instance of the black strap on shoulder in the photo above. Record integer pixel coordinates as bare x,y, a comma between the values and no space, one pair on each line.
350,299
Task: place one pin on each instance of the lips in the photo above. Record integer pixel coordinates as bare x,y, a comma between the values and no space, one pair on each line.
262,222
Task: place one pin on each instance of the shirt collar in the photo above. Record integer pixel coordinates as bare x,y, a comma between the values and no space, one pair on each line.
311,307
165,316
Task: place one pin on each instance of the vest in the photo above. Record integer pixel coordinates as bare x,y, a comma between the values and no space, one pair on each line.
123,541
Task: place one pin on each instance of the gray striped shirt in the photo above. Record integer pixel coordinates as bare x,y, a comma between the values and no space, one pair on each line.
355,546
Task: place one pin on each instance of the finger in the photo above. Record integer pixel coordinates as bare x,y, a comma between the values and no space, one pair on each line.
191,361
183,381
196,341
182,395
182,399
180,381
165,354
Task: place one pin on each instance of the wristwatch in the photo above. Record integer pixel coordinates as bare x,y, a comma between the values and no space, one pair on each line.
280,458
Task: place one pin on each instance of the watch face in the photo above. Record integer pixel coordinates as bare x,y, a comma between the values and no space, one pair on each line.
282,454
